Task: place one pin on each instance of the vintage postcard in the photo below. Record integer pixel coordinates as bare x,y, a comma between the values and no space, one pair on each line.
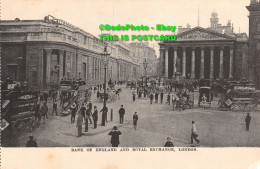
160,81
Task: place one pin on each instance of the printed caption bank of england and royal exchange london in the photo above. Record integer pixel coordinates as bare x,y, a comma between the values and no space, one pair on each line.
42,52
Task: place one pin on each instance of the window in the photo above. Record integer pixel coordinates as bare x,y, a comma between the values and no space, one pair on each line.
258,27
85,40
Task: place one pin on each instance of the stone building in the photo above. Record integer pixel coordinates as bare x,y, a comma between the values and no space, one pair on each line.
211,53
254,42
42,52
142,51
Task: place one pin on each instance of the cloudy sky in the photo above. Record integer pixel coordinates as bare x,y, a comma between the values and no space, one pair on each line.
89,14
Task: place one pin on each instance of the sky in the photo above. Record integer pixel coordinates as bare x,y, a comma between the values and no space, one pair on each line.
89,14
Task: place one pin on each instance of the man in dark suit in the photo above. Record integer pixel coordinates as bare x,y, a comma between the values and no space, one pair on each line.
121,114
104,115
31,142
95,117
162,97
168,143
114,133
247,120
156,97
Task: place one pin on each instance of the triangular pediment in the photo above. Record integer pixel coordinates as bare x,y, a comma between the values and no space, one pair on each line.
199,33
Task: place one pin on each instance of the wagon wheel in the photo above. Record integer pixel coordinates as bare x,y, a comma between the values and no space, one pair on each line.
17,127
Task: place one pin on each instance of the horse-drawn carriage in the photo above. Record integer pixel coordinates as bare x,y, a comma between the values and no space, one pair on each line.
205,93
70,91
185,96
239,96
18,110
109,96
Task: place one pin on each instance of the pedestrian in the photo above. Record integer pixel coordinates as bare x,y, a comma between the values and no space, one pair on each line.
194,134
121,114
174,101
168,143
95,117
98,94
204,101
73,110
118,97
133,97
161,97
156,97
37,112
83,110
135,119
53,95
62,97
168,99
139,94
31,142
86,118
44,111
90,105
104,115
89,113
79,124
54,107
114,133
247,120
45,95
151,98
178,101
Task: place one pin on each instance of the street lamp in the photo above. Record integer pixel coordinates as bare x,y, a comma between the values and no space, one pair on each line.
145,66
105,56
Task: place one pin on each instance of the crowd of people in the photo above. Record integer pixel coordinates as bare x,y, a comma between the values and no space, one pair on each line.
84,113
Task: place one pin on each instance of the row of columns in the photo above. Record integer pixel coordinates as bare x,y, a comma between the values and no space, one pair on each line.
166,62
75,64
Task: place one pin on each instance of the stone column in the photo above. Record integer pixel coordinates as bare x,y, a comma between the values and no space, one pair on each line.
202,63
211,62
48,65
221,62
40,68
231,63
166,63
79,67
184,63
61,57
174,61
193,63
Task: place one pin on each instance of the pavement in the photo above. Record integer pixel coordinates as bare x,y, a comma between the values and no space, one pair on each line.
156,123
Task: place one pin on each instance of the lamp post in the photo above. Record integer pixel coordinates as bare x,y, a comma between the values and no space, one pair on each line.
145,66
106,56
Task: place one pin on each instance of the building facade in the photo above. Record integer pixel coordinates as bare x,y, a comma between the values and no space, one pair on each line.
42,52
254,41
211,53
142,51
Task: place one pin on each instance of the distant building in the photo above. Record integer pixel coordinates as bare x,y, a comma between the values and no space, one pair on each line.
142,51
42,52
212,53
254,42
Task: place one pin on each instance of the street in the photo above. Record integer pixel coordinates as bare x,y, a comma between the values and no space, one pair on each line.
156,123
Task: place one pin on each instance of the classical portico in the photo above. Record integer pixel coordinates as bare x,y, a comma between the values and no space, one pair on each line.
197,54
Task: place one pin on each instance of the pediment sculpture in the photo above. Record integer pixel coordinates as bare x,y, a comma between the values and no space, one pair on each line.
199,35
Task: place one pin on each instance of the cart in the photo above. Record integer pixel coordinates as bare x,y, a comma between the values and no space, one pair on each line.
205,89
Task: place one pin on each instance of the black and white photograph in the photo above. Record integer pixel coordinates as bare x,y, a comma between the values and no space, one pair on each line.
117,73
